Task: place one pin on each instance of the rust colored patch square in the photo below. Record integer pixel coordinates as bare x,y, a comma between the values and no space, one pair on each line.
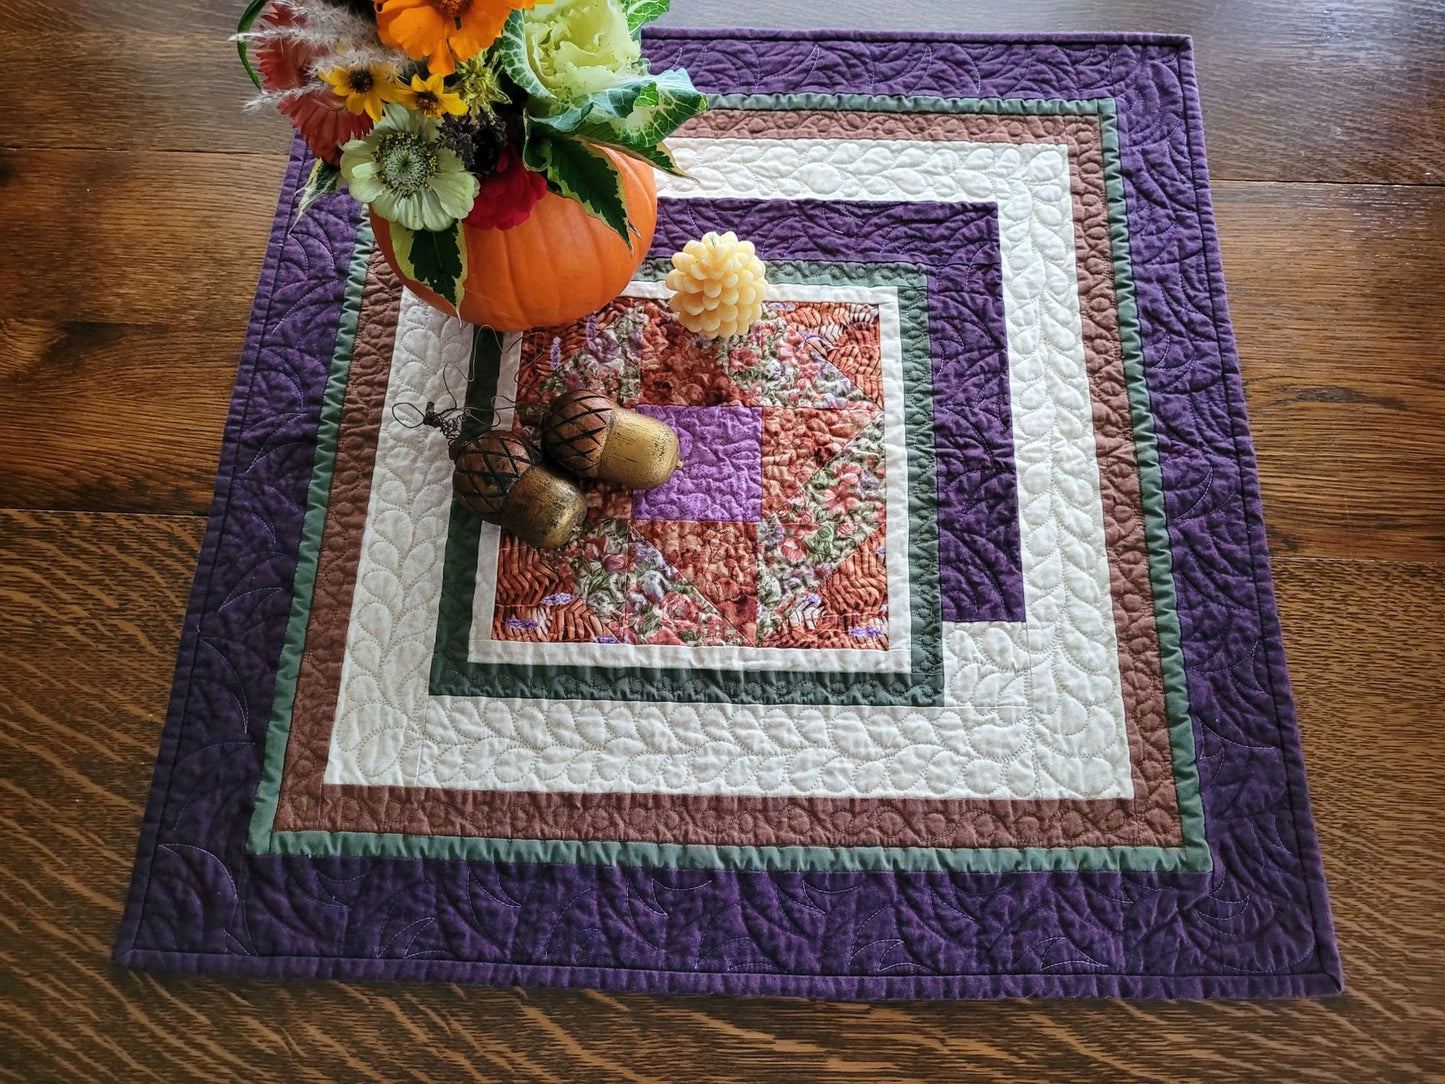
720,560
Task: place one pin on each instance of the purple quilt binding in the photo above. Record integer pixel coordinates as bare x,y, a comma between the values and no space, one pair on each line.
1258,925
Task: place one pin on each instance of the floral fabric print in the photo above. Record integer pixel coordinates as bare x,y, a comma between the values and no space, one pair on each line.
807,572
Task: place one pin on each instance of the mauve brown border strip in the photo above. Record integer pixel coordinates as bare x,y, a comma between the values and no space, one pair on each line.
1151,819
318,679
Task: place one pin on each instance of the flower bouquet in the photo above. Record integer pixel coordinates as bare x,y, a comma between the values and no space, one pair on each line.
503,148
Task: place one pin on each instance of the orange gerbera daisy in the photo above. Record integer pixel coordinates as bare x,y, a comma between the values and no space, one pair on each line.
319,115
442,32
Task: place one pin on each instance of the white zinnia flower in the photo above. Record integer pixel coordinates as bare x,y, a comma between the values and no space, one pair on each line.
406,176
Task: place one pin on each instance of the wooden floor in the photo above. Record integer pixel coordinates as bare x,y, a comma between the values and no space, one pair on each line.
135,208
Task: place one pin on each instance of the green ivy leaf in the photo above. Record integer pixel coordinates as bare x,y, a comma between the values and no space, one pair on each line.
577,171
435,258
248,20
641,12
322,181
574,124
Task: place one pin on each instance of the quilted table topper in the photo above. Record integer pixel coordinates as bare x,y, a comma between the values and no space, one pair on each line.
946,665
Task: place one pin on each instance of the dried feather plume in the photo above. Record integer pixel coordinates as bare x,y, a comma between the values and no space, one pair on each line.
333,34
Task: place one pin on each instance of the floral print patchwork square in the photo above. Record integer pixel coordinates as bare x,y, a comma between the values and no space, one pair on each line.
771,533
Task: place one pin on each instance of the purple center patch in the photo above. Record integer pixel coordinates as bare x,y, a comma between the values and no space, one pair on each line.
720,478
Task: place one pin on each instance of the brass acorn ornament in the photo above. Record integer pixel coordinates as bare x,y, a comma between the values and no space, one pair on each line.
589,435
500,477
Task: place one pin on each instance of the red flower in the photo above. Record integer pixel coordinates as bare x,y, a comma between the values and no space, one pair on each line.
507,196
319,115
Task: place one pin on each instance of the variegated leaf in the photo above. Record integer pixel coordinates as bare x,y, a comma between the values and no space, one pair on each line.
435,258
323,179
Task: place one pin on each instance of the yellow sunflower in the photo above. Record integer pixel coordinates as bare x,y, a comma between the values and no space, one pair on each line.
431,97
442,32
366,88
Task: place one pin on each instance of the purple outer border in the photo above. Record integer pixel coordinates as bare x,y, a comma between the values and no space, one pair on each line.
218,942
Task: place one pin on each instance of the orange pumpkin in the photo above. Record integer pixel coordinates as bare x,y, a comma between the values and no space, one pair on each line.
556,267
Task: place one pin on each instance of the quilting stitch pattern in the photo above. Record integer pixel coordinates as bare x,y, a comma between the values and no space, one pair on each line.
1257,925
1069,742
305,804
785,469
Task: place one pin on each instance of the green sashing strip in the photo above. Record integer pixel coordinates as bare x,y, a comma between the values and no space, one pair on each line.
454,673
1192,856
318,496
702,856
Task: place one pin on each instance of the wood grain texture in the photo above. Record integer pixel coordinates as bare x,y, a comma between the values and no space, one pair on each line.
1291,91
1338,305
120,339
1339,310
132,226
94,604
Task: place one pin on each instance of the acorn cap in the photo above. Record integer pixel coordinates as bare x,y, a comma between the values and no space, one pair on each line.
487,467
576,430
